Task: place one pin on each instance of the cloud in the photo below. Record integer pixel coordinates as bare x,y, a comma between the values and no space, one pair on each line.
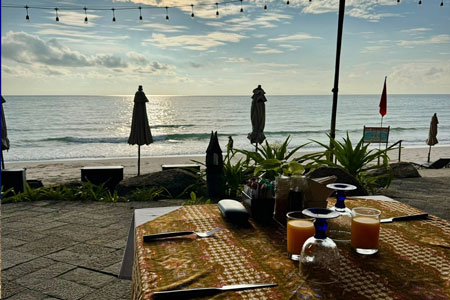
268,51
437,39
195,42
52,58
294,37
362,9
165,27
420,74
238,59
416,30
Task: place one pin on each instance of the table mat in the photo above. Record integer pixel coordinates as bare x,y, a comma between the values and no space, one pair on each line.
413,260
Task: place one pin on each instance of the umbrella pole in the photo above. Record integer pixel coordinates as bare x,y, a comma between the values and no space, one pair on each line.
3,161
429,152
336,72
139,160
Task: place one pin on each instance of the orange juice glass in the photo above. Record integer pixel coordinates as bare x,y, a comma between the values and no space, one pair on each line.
365,230
299,229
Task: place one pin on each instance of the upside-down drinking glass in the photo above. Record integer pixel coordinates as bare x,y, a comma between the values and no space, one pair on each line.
319,259
339,229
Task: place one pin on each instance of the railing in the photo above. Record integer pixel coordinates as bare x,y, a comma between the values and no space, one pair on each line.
399,148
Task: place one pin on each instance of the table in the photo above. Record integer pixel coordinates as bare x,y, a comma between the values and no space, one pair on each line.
413,260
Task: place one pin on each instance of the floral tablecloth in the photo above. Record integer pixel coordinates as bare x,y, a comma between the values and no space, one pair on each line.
413,260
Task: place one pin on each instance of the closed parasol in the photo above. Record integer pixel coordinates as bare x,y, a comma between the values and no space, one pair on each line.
258,116
5,140
140,130
432,134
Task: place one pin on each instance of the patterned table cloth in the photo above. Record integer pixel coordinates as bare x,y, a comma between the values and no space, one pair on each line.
413,260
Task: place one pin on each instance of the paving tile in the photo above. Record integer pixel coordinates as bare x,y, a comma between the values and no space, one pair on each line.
117,289
11,258
87,277
75,232
10,288
46,245
44,226
52,271
114,268
22,235
27,294
27,268
8,243
63,289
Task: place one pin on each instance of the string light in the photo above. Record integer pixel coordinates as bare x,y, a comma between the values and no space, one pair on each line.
75,8
27,17
85,13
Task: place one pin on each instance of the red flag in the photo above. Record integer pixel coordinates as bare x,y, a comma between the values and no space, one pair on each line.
383,100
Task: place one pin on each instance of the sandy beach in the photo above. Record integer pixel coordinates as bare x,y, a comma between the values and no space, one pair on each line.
63,171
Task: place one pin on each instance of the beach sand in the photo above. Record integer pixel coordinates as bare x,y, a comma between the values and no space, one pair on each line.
63,171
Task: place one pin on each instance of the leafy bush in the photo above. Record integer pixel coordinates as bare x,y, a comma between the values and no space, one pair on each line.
357,160
270,161
196,200
150,194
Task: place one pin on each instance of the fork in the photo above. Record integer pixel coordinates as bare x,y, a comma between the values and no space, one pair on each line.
151,237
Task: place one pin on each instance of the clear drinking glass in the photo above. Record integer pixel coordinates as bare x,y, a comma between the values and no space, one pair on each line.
365,230
319,259
299,229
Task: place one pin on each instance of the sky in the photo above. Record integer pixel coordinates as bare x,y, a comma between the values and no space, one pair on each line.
289,48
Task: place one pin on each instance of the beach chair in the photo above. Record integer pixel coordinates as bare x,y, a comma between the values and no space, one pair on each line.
438,164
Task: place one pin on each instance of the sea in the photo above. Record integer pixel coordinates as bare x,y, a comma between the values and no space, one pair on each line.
96,127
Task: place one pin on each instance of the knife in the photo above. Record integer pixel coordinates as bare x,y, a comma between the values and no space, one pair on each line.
204,292
405,218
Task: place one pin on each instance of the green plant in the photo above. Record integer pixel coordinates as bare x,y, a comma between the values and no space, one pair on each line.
194,200
235,175
357,160
270,161
150,194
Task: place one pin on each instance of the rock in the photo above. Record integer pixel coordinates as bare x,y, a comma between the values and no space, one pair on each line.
342,177
404,170
399,170
174,180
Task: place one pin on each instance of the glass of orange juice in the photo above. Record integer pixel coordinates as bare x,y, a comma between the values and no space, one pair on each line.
365,230
299,229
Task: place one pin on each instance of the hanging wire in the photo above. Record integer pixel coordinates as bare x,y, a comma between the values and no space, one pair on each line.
167,14
398,1
242,10
85,13
141,20
192,10
287,2
265,5
114,15
420,2
56,12
217,9
27,17
442,3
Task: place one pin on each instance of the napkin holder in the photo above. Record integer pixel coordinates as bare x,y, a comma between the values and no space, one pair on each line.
316,192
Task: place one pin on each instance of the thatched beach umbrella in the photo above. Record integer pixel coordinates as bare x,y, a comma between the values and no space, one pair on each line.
432,134
258,116
5,140
140,130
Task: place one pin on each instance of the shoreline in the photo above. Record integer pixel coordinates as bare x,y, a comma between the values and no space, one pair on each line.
393,155
63,171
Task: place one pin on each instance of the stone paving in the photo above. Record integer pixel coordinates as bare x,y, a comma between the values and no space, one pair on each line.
66,250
